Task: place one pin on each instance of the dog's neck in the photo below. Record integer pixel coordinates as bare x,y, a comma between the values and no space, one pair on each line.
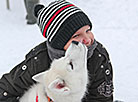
73,98
48,98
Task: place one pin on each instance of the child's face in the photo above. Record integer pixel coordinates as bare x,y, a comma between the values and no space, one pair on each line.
83,35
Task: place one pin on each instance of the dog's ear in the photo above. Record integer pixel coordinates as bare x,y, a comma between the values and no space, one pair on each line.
39,77
59,87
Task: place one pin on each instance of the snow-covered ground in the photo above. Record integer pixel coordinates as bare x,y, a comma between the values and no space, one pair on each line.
115,24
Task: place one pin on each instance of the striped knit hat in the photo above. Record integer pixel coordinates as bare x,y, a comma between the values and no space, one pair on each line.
59,21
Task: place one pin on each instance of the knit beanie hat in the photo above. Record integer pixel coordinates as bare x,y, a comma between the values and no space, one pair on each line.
59,21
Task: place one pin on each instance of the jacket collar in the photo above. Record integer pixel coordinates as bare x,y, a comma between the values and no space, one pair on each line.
56,53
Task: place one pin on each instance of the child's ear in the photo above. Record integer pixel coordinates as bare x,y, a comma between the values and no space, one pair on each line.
39,77
59,87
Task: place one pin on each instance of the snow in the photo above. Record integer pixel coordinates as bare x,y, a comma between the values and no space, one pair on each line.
115,25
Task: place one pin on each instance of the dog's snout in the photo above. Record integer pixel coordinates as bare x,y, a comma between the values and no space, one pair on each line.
75,42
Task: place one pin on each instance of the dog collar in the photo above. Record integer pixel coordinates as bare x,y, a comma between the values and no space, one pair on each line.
36,98
49,100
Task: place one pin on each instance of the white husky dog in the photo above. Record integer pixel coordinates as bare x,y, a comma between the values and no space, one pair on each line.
65,81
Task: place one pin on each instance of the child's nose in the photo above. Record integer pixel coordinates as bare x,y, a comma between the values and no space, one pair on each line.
86,41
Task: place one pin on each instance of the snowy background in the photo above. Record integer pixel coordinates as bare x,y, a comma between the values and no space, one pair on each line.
115,24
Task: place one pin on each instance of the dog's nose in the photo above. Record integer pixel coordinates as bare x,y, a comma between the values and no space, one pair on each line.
75,42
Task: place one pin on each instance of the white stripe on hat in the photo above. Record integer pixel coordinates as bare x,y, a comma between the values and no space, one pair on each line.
56,22
61,23
49,12
45,9
43,23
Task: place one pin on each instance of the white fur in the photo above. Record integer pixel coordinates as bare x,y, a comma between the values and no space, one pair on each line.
73,81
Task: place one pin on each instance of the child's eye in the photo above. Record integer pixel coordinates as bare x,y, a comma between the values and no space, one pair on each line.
88,30
76,35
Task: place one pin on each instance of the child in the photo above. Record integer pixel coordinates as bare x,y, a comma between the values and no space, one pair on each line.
61,23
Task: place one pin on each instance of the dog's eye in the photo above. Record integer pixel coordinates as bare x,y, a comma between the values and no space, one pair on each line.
71,65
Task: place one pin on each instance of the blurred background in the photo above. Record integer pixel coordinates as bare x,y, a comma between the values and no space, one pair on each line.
115,25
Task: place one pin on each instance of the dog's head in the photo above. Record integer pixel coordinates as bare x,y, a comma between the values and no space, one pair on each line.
67,74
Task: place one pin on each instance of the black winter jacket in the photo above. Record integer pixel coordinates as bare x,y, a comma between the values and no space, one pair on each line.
19,79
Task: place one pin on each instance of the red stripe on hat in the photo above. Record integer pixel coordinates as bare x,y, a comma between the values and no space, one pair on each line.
45,29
